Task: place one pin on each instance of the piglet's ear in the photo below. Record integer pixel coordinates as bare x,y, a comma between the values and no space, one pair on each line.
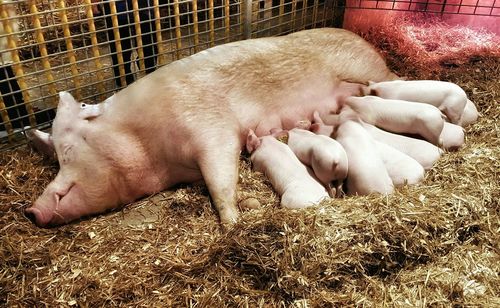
66,98
253,142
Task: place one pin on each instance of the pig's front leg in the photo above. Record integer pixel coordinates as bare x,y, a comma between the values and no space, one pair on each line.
218,162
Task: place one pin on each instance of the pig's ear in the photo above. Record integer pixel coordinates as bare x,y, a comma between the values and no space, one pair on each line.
253,142
66,97
42,142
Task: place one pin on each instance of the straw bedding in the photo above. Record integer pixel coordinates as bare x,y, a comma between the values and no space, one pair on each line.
436,243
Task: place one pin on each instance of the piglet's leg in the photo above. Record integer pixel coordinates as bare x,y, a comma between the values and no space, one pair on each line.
219,167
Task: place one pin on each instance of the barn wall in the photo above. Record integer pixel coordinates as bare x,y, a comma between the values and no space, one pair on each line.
93,48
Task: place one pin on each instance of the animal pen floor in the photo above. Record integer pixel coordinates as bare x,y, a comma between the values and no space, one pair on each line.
436,243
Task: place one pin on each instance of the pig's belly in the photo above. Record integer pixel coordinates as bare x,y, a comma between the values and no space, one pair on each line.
284,112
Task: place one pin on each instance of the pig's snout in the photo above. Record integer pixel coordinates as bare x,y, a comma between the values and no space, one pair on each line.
37,216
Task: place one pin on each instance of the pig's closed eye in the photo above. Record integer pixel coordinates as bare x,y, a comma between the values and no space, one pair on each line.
67,154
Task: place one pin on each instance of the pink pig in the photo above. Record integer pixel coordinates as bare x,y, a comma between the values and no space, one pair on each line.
398,116
323,154
367,172
291,179
447,96
402,168
425,153
452,136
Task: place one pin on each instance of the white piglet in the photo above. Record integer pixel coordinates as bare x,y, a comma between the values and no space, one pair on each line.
291,179
323,154
447,96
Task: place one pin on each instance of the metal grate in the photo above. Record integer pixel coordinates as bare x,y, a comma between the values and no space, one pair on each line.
93,48
462,7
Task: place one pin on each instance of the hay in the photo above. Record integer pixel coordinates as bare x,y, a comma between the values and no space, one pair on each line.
422,45
433,244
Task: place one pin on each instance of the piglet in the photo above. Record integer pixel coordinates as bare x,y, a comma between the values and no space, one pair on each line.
470,114
402,169
453,136
323,154
398,116
447,96
367,172
291,179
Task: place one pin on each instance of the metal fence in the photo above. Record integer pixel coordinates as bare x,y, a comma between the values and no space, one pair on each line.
462,7
93,48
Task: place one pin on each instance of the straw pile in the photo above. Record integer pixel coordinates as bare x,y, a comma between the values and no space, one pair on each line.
426,44
436,243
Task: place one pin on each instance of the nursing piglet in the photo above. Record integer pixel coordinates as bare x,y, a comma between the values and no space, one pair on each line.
367,172
323,154
402,169
291,179
447,96
398,116
452,136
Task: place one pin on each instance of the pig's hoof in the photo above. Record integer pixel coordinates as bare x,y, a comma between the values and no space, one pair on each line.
249,204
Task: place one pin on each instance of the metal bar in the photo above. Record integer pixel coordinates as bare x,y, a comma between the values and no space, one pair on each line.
227,20
69,48
178,34
18,69
194,5
95,48
281,13
138,35
159,39
248,22
211,22
43,51
118,45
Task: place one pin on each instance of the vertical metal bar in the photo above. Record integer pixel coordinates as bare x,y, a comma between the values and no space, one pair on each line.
194,4
119,50
43,51
227,20
5,119
95,49
18,68
315,13
281,13
178,34
211,22
138,35
294,13
69,48
303,14
159,39
248,19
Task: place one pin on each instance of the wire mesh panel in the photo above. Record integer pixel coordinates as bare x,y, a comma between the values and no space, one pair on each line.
468,7
93,48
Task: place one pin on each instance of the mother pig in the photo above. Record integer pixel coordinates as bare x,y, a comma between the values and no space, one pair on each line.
189,120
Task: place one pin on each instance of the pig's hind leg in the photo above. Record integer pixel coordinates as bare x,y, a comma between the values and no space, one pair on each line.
218,162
